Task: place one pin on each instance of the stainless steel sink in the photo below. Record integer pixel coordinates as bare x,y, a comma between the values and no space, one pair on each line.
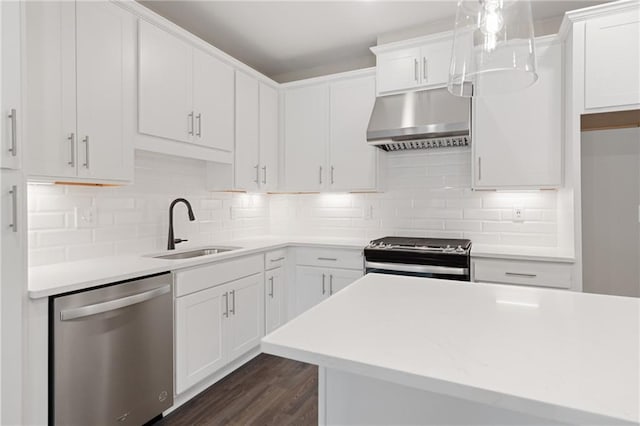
207,251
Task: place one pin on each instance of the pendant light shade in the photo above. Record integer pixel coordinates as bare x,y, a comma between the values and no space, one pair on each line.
493,48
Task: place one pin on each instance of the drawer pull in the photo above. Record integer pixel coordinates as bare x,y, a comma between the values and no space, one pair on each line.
331,259
278,259
519,274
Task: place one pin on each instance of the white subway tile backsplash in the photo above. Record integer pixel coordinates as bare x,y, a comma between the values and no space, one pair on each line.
428,193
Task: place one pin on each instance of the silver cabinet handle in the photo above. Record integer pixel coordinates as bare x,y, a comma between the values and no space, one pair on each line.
331,259
264,174
257,179
190,123
330,284
424,69
14,136
86,152
14,208
278,259
479,168
72,144
199,125
320,175
519,274
323,287
271,281
332,175
233,302
415,70
226,305
112,305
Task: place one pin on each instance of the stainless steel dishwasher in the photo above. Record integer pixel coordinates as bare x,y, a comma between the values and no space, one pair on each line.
111,358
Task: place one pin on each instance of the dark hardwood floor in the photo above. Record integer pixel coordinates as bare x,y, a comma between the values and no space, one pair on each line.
268,390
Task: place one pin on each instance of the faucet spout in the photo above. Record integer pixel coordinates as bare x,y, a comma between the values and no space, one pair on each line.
172,241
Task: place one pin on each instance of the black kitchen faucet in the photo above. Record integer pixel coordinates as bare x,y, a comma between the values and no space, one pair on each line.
172,241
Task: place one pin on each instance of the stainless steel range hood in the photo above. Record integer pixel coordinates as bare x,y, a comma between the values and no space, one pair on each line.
418,120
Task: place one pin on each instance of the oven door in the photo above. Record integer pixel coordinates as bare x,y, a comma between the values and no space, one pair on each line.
424,271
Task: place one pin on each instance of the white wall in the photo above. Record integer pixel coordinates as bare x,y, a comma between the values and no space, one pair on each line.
134,219
428,194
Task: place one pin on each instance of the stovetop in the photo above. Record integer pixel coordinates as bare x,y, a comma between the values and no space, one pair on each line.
420,251
433,245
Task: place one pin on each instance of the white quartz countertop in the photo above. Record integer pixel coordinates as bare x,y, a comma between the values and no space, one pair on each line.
542,254
564,356
64,277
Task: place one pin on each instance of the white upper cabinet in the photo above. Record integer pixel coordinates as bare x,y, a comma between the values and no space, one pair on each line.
256,164
247,165
353,161
269,118
165,84
80,91
612,60
517,138
306,134
412,65
325,136
185,94
10,95
213,102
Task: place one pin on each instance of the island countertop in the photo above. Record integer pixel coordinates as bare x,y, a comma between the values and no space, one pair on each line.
565,356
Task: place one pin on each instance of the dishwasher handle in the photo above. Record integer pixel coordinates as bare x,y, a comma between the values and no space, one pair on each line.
99,308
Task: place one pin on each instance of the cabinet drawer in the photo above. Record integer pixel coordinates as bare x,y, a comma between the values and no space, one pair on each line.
214,274
539,274
328,257
275,259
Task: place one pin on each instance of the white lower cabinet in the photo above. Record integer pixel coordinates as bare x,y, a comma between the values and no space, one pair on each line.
215,326
314,284
523,272
275,313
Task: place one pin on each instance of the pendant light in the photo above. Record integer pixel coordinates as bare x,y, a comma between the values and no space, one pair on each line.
493,48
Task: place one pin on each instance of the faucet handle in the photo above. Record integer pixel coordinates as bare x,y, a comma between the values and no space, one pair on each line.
179,240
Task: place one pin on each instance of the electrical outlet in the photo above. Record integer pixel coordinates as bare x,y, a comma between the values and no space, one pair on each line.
86,217
517,214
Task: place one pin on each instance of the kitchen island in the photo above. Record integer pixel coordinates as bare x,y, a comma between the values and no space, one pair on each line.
404,350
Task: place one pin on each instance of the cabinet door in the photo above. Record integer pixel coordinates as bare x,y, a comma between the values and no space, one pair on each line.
51,138
247,167
200,319
213,102
274,299
353,161
11,113
612,63
311,287
340,278
165,84
105,74
268,138
398,70
306,133
14,275
436,59
246,315
517,138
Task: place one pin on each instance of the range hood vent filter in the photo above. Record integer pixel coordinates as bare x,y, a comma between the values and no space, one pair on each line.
425,143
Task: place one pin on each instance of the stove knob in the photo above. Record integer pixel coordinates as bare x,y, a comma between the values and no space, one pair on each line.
459,249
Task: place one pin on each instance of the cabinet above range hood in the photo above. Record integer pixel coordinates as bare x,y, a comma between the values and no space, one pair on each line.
419,120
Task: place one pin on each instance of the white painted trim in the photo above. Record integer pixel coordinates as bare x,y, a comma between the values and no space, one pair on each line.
330,78
412,42
148,15
573,16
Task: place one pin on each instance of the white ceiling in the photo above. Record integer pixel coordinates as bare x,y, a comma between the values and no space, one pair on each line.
284,38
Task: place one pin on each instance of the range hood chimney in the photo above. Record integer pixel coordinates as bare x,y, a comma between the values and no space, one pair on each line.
419,120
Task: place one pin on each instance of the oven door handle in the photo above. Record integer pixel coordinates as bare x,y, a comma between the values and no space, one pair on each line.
99,308
420,269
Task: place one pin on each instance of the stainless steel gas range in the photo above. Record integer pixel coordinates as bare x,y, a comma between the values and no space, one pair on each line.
423,257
